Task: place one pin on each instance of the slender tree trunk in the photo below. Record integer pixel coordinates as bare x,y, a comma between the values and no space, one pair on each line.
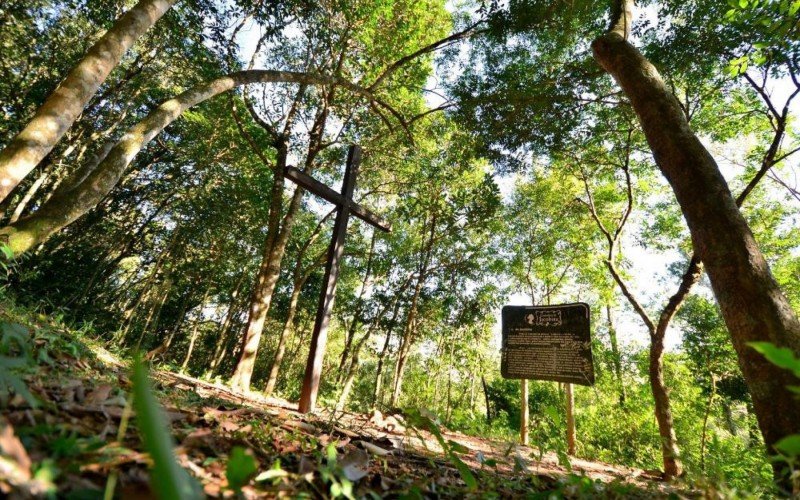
29,194
663,412
222,339
616,358
352,369
65,104
400,364
411,323
221,349
752,304
275,368
351,331
300,278
195,330
155,313
488,400
706,414
263,291
276,246
376,393
164,347
666,427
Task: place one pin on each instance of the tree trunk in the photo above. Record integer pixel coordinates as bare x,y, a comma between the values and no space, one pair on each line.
351,331
352,369
400,364
663,413
272,380
376,393
616,358
224,330
411,323
488,400
67,205
666,427
164,347
300,277
263,289
752,304
65,104
29,194
195,329
155,312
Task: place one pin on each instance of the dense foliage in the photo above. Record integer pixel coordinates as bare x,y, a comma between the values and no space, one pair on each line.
511,168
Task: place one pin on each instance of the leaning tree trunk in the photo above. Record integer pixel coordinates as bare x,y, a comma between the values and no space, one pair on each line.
67,205
65,104
752,304
263,290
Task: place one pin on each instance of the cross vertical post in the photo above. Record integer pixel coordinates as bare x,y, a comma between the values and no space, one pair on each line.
308,395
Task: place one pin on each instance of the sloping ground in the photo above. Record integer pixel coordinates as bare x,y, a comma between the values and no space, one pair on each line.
71,442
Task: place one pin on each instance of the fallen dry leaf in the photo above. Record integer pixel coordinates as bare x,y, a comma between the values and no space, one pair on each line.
99,394
12,449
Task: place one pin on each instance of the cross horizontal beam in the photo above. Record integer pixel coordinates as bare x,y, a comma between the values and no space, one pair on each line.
316,187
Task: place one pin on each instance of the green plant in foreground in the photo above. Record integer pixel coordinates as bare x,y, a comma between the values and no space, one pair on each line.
169,480
788,448
15,355
425,420
242,466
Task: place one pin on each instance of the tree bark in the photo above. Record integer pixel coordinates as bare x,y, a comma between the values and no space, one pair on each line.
376,393
663,411
195,330
617,360
276,239
29,194
67,205
752,304
280,352
266,280
65,104
353,327
352,369
225,329
411,322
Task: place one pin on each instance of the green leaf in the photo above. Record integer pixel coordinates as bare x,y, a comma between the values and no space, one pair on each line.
241,467
7,251
331,454
465,472
782,357
790,445
19,386
169,480
457,447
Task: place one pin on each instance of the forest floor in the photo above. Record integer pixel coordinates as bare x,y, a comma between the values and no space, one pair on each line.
66,439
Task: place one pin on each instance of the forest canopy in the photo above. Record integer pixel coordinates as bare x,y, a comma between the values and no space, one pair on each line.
641,158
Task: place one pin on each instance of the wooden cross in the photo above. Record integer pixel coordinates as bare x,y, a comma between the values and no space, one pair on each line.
345,206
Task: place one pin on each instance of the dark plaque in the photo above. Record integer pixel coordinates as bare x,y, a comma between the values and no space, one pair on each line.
547,343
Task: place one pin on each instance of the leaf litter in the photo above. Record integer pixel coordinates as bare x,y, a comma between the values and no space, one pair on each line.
75,437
